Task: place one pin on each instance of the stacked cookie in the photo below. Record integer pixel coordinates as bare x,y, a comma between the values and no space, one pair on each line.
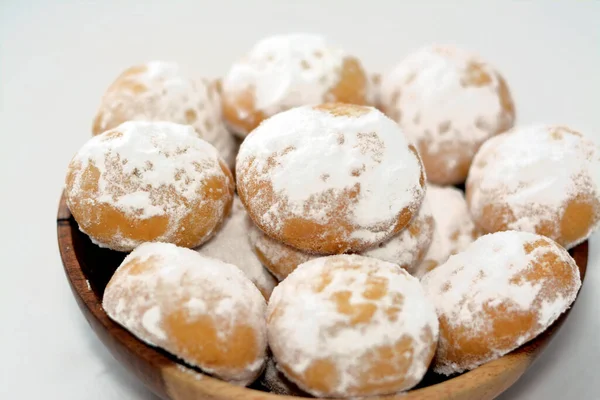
337,209
331,179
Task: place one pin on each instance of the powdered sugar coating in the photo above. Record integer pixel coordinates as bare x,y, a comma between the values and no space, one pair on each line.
448,101
231,245
285,71
502,291
274,68
454,229
527,179
142,170
161,292
340,312
346,170
163,91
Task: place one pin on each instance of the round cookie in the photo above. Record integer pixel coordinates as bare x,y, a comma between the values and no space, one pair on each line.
161,91
148,181
454,228
448,101
542,178
202,310
285,71
230,244
502,291
406,249
374,333
329,179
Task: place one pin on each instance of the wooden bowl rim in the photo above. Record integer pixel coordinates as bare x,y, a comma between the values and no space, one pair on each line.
488,380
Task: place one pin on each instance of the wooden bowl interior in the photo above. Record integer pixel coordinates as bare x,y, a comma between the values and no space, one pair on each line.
89,268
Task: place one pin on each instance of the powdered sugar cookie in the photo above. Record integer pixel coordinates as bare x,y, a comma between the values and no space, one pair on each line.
448,101
161,91
542,179
454,229
148,181
231,245
285,71
374,333
406,249
502,291
202,310
329,179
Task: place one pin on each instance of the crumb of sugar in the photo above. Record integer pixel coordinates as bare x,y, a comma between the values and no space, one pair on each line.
487,276
427,95
534,170
321,155
169,95
138,159
306,318
177,279
231,245
285,71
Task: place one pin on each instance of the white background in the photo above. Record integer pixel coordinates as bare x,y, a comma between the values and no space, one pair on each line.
57,59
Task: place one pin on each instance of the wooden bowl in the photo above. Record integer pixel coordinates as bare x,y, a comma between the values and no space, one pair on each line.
89,269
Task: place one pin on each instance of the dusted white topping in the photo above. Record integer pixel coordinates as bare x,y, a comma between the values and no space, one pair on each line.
159,284
286,71
448,101
345,161
145,169
316,313
534,172
498,279
162,91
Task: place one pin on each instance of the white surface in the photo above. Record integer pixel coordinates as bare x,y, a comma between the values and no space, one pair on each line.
56,60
